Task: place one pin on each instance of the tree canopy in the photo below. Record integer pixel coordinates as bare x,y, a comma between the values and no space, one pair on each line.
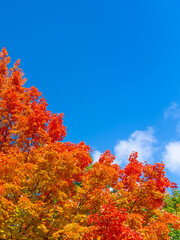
50,189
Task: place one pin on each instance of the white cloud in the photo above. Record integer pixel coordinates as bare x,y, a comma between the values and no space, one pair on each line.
96,155
173,111
171,157
178,127
139,141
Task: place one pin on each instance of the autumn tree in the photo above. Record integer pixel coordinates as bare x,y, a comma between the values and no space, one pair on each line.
49,189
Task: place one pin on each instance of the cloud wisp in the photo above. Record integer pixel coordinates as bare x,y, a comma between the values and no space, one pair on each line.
173,112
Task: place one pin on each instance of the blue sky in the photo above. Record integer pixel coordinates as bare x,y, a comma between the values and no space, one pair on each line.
112,67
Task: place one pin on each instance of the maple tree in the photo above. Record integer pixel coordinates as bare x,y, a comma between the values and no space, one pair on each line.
49,189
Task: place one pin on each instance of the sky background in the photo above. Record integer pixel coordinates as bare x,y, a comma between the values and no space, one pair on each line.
112,67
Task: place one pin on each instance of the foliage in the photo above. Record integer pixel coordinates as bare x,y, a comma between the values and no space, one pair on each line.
172,205
51,190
